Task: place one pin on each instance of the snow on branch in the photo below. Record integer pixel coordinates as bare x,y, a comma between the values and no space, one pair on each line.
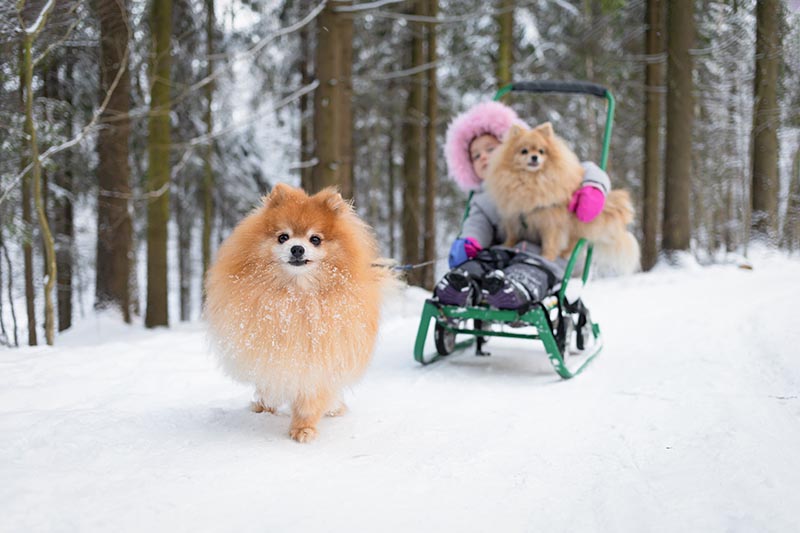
61,41
250,52
34,29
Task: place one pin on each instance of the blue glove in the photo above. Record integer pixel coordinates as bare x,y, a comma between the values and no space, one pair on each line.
462,250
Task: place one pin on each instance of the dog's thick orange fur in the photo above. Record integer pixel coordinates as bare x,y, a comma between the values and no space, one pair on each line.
299,334
532,200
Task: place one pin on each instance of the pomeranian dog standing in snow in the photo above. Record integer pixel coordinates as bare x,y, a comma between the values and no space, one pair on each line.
293,301
532,176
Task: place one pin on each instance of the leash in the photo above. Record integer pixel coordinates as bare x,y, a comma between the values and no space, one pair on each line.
407,267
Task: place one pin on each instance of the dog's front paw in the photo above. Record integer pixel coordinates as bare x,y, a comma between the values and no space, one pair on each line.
305,434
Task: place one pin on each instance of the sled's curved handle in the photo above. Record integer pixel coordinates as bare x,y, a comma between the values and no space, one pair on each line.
569,87
553,86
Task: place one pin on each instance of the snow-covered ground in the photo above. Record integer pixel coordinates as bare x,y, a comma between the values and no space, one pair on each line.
689,420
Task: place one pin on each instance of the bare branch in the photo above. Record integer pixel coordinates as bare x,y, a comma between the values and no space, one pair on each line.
58,43
364,7
53,150
251,51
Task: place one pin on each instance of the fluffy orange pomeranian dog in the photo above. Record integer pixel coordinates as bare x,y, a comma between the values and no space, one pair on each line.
293,301
532,176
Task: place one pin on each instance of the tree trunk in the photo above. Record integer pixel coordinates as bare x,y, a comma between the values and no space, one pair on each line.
412,141
431,151
766,120
505,48
63,226
791,225
327,100
114,225
346,177
27,220
158,177
680,114
36,173
390,170
208,168
183,216
306,130
10,286
654,81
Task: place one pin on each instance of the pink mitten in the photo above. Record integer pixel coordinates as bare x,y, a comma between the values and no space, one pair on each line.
472,247
587,203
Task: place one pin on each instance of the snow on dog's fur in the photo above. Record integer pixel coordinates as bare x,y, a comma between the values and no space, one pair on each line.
293,303
532,176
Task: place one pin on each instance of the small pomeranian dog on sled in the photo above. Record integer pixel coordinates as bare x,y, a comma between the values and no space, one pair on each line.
293,302
532,176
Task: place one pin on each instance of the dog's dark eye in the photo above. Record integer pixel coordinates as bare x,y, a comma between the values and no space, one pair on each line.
283,237
541,151
524,151
315,240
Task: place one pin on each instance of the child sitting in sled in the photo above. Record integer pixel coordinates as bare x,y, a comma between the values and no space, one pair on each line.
482,269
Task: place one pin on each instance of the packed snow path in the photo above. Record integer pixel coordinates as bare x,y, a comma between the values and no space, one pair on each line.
689,420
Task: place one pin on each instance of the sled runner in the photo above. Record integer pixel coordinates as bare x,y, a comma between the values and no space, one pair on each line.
561,326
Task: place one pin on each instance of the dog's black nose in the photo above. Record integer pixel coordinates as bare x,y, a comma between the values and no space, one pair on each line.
298,251
534,158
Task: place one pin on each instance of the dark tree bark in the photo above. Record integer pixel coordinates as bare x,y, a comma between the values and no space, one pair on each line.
680,116
346,175
412,161
10,288
431,151
306,130
158,178
27,222
791,225
654,90
114,225
766,120
208,168
505,49
327,99
390,170
61,207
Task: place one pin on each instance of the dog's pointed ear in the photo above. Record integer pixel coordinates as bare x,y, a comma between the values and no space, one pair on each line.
515,131
545,129
279,193
330,198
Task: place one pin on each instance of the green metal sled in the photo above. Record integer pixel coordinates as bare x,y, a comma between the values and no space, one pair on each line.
560,325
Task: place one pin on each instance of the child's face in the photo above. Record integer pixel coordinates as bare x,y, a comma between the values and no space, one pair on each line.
479,150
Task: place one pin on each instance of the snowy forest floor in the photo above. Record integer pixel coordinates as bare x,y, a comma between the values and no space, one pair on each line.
689,420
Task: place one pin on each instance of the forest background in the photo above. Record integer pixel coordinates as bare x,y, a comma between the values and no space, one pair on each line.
135,135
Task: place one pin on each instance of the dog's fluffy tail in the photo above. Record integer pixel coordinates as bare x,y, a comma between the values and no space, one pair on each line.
619,206
617,257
